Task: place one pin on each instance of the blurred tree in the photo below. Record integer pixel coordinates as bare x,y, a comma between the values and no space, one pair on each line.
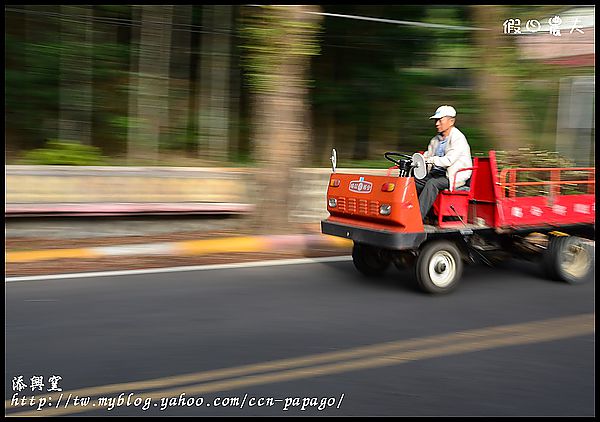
32,54
214,82
278,43
180,89
75,118
367,96
496,80
375,83
57,75
218,147
150,88
111,52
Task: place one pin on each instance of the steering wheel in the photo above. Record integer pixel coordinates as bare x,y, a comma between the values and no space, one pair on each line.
389,155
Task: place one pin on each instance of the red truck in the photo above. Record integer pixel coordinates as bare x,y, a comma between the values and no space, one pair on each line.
496,217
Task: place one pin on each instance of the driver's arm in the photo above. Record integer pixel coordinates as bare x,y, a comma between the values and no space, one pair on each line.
429,152
452,153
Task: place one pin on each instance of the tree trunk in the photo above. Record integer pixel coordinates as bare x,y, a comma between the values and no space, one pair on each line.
215,82
281,132
151,90
235,105
218,146
132,99
75,119
43,125
495,87
179,83
203,82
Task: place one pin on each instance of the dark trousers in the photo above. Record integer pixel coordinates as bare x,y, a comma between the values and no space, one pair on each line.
428,189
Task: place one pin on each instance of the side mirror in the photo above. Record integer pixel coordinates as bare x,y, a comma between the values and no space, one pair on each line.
333,159
419,166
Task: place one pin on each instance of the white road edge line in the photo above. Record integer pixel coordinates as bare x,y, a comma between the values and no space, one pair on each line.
270,263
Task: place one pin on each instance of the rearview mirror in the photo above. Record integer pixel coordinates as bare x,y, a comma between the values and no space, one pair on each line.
333,159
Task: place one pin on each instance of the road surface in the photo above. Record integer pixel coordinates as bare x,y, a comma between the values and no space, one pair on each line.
303,339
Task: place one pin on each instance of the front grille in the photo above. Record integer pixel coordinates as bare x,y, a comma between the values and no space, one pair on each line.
341,204
352,205
358,206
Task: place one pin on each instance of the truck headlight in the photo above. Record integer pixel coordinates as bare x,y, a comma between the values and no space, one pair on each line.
332,202
385,209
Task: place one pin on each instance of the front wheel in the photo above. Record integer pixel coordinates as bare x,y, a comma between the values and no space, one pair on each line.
369,260
569,259
439,267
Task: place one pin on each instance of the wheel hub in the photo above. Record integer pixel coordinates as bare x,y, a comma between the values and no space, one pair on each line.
442,269
575,260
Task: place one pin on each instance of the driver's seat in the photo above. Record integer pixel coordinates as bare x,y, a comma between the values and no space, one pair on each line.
459,199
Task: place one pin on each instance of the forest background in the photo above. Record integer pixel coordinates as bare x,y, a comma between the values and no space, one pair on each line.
181,85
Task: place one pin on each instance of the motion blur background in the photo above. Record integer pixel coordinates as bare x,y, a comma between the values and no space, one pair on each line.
277,87
140,137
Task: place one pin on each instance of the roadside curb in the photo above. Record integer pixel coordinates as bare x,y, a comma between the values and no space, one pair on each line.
234,244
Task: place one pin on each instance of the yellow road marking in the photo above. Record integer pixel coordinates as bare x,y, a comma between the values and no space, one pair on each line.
232,244
393,353
192,247
340,242
41,255
328,357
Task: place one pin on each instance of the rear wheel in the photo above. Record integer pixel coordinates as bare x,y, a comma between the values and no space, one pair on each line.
569,259
439,267
369,260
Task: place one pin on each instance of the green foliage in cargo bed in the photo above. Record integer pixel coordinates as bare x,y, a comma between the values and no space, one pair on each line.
526,157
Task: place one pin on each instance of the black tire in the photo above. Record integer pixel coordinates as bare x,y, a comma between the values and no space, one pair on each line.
369,260
439,267
569,259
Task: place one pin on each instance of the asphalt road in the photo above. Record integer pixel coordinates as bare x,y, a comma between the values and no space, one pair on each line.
315,335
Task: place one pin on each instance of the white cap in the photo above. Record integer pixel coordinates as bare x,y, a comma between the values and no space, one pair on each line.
444,111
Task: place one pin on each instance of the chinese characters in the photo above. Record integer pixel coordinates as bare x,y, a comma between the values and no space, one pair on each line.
36,382
512,26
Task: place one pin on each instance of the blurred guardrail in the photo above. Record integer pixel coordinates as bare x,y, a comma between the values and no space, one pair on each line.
97,191
72,191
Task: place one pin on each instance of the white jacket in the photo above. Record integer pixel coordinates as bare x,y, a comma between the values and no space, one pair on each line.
458,156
